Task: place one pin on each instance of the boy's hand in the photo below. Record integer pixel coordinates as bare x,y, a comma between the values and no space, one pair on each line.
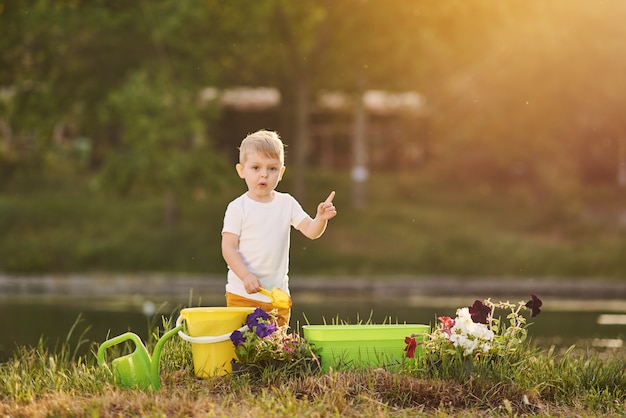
326,210
251,283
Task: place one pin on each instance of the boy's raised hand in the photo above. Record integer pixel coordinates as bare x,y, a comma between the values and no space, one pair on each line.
326,210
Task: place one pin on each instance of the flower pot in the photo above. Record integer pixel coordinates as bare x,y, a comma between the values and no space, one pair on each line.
362,346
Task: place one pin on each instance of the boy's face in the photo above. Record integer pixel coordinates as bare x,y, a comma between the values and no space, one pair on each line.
262,174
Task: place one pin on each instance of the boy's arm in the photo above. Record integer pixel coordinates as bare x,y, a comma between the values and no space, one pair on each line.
230,252
314,228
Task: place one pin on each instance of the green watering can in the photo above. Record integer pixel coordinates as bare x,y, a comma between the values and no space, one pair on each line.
136,370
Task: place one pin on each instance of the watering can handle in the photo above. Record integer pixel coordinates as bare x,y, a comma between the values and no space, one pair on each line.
117,340
205,339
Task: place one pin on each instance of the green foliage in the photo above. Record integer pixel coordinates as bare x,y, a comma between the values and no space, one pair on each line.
561,376
37,371
505,108
72,230
413,225
72,65
42,382
162,142
107,90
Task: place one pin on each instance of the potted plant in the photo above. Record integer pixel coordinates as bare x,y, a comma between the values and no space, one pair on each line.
477,335
266,345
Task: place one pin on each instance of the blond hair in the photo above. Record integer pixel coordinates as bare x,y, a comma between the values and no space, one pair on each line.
265,142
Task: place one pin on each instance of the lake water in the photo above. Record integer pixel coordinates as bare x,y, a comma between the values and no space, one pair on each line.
598,324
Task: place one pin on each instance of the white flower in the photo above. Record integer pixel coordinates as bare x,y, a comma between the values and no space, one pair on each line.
468,335
463,336
467,344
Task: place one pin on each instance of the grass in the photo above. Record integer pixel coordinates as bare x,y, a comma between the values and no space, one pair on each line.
40,382
414,223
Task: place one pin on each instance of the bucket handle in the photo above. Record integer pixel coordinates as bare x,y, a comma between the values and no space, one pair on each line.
206,339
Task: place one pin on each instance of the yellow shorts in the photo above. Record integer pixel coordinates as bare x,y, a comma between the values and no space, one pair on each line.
236,301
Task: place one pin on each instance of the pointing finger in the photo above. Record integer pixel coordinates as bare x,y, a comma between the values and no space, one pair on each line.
330,197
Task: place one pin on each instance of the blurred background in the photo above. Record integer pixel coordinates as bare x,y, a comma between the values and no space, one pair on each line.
468,139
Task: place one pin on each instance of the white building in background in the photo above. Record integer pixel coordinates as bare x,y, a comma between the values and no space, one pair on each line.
396,132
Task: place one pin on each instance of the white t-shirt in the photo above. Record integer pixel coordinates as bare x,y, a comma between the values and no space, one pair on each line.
264,236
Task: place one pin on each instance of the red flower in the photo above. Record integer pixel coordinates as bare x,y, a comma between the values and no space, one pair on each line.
479,312
447,323
534,304
411,345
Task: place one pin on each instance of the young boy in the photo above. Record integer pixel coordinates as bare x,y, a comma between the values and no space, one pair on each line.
256,232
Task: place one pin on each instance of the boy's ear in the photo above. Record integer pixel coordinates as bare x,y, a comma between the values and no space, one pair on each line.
239,169
282,171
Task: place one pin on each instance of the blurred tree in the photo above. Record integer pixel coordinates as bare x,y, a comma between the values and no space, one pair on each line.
29,53
306,46
162,141
281,44
374,48
529,100
95,67
159,126
59,61
522,90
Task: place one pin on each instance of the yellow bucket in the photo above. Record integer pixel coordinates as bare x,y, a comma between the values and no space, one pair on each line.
210,329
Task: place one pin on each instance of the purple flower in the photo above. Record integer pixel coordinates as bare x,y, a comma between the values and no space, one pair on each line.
237,338
479,312
534,304
265,330
255,317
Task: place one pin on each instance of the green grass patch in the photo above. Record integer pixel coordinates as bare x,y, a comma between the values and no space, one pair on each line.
43,382
412,224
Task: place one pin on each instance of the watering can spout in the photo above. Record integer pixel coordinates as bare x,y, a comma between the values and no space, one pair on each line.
156,354
137,369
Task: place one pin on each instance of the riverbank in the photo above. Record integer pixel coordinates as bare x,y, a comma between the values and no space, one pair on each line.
384,287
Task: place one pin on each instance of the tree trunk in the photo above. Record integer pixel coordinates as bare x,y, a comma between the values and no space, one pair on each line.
301,137
171,212
360,171
621,163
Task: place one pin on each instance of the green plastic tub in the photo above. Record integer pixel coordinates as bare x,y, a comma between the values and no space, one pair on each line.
362,346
